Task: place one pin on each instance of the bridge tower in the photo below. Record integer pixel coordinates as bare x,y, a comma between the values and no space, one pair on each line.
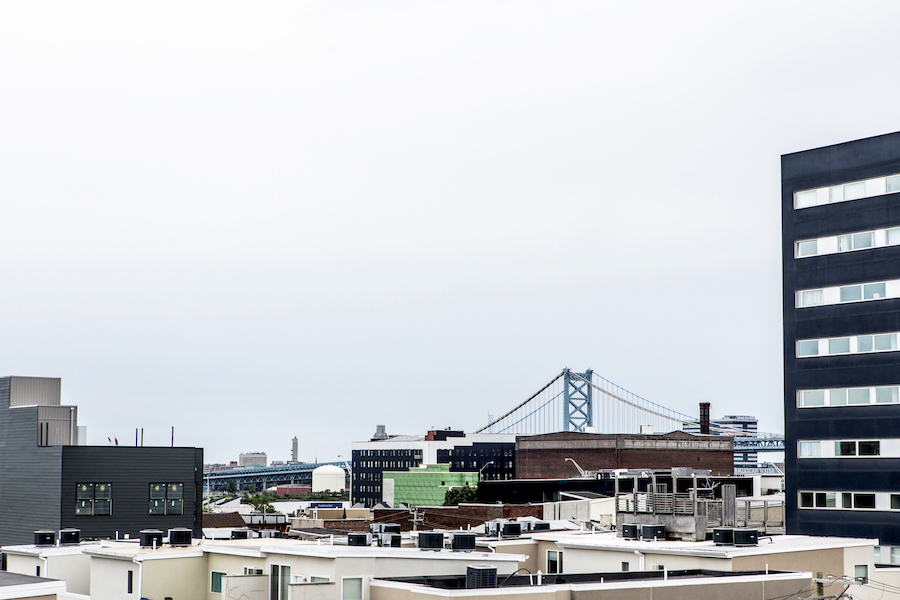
579,406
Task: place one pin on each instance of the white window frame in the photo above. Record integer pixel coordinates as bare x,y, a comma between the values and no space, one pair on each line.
831,244
362,586
560,566
221,582
887,448
872,392
248,569
831,296
882,500
824,345
874,186
283,594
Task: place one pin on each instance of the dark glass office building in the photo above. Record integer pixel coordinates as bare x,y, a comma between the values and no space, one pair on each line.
841,267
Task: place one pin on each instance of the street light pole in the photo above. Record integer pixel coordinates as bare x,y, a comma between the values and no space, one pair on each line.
481,470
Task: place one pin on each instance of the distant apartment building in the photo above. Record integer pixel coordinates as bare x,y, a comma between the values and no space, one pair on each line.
736,425
253,459
220,466
491,455
48,482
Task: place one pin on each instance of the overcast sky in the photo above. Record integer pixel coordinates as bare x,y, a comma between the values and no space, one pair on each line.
257,221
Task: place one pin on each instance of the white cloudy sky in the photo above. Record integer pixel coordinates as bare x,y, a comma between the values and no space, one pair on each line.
255,221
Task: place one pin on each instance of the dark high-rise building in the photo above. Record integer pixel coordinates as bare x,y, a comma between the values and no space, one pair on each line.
841,267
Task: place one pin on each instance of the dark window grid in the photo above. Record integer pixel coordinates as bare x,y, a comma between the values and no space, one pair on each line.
93,499
166,499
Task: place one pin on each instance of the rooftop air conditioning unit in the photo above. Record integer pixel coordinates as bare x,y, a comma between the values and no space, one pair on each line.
240,534
541,526
746,537
151,538
462,542
389,540
480,577
180,536
359,539
723,536
511,530
70,536
631,531
376,527
653,532
390,528
492,528
270,533
431,540
45,537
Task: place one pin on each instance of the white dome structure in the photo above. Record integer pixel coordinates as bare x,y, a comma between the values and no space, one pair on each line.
328,477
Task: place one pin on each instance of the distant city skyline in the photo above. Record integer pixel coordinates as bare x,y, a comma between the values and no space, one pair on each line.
252,224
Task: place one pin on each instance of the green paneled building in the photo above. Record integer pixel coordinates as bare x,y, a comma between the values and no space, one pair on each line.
426,486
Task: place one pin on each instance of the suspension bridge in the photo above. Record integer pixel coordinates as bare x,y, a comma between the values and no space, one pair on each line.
589,403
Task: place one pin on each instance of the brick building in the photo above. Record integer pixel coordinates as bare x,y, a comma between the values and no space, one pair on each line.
544,456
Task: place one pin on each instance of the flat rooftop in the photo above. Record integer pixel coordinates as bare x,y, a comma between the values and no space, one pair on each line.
261,547
458,582
775,544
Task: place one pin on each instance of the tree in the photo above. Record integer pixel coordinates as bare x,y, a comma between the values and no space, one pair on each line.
461,494
260,502
231,486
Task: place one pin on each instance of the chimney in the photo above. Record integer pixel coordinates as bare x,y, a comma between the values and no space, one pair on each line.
704,418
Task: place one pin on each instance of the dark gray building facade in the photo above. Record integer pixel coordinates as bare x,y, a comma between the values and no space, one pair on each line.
47,481
841,277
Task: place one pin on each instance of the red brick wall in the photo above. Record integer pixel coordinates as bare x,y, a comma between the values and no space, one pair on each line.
457,517
544,456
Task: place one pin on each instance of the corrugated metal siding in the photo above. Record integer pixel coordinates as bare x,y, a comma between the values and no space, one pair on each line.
29,476
56,425
131,470
28,391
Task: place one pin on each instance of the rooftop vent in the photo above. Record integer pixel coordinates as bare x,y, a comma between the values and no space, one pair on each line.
44,537
431,540
180,536
70,536
541,526
481,577
151,538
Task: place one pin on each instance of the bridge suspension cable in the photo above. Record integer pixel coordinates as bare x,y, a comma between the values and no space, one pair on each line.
616,410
